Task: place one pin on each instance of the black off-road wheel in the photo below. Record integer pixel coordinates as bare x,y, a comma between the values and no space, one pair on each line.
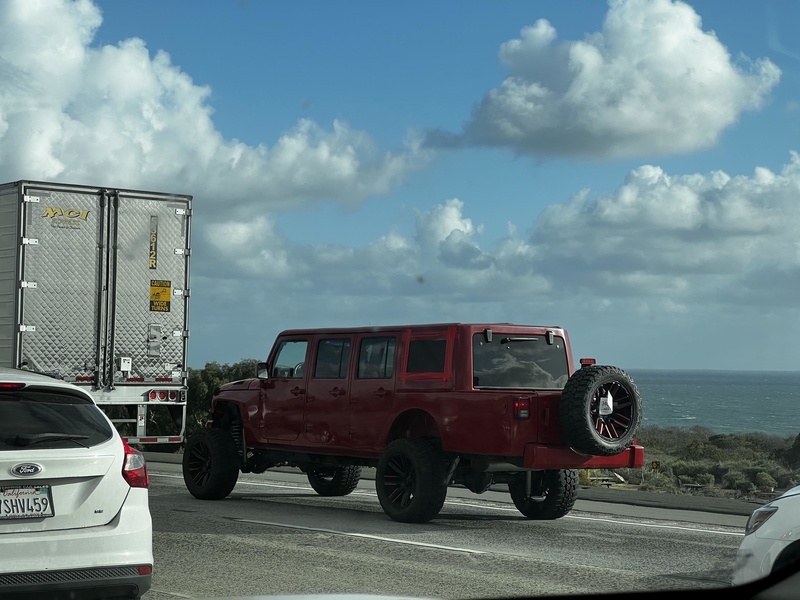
332,481
410,480
553,494
210,464
600,410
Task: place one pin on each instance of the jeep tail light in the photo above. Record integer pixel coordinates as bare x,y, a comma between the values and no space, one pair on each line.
522,408
152,395
585,362
134,468
145,570
162,395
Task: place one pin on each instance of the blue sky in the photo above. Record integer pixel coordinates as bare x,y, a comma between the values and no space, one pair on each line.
278,118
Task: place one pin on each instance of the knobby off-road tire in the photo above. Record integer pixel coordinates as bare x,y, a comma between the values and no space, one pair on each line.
210,464
583,410
334,481
559,488
410,480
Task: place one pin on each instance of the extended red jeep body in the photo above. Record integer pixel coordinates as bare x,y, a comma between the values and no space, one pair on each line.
484,400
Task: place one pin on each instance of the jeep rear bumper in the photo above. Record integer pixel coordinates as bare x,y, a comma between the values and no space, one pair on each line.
538,456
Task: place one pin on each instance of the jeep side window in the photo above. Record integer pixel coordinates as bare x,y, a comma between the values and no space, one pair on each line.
426,356
290,360
332,359
376,359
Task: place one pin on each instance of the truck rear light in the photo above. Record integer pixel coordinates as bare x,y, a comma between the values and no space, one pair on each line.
172,395
134,467
587,361
11,386
522,408
152,395
162,395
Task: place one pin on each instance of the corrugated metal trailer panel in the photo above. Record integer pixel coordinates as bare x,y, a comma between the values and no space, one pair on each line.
9,243
98,284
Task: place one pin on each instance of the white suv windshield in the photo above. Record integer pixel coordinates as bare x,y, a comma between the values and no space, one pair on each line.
519,362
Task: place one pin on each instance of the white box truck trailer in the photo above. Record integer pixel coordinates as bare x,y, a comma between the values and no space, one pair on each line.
94,289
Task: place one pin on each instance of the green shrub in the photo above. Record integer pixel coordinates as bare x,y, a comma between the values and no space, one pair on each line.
732,479
792,454
765,482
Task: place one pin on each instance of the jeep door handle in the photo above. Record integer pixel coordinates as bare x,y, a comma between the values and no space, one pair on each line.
380,392
336,392
297,391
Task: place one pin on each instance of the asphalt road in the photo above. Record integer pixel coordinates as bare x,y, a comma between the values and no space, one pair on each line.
274,535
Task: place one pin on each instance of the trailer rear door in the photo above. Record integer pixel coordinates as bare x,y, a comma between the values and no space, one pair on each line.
62,274
150,286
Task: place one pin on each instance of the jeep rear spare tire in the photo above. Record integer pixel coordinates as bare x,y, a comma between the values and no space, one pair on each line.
600,410
552,493
410,480
210,464
334,481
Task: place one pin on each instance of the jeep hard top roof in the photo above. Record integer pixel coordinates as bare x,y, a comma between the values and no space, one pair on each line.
422,326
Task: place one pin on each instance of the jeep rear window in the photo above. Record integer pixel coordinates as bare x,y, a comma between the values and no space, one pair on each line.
36,419
519,362
332,359
426,356
376,359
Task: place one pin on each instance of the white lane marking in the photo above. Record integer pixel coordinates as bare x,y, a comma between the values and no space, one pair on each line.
500,508
361,535
655,525
152,589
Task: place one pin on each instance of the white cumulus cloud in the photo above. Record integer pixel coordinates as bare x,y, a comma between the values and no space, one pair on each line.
651,83
679,236
118,115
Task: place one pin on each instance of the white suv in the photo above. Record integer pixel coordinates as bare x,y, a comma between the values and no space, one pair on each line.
74,516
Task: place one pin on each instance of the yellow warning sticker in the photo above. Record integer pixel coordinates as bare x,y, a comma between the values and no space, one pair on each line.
160,295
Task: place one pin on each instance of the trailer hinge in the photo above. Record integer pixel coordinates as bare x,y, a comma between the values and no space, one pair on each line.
30,198
27,327
180,293
31,241
184,251
183,211
179,333
28,284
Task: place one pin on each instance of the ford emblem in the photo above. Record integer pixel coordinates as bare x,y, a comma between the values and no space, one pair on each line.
26,470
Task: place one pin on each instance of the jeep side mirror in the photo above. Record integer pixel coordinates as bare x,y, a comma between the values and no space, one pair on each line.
487,335
262,370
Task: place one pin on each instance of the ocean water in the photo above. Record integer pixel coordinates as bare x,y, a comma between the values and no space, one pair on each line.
725,401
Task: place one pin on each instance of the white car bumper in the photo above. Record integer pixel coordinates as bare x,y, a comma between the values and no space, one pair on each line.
92,557
755,558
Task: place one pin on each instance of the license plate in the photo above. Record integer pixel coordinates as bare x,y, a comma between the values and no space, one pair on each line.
26,502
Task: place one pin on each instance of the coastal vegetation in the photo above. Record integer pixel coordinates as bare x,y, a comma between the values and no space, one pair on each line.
699,460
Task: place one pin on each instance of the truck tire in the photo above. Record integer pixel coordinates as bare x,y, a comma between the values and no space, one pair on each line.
334,481
559,488
593,425
210,464
410,480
